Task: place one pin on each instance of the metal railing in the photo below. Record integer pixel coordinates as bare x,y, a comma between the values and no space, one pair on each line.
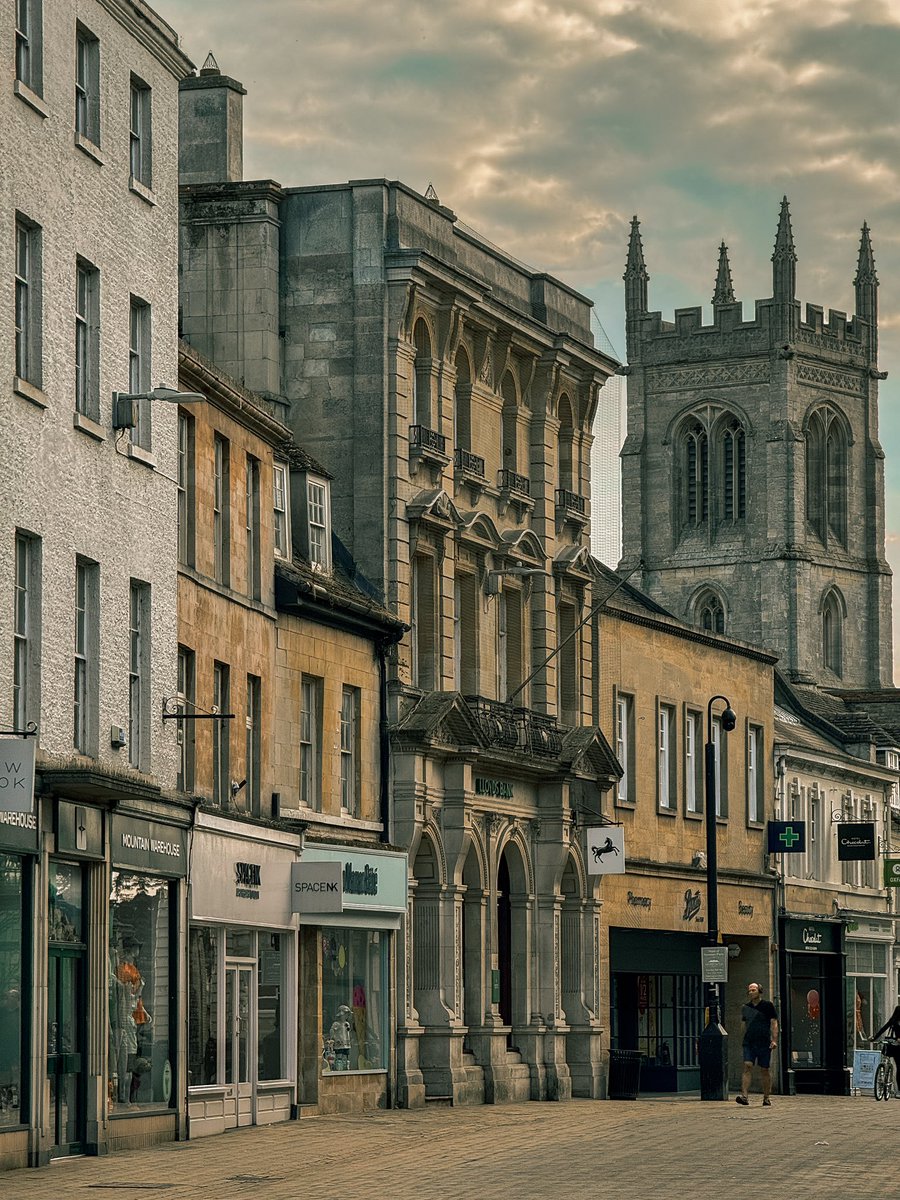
423,438
512,481
472,464
570,501
512,728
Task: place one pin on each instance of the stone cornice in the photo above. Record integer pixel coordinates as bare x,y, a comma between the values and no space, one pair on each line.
148,28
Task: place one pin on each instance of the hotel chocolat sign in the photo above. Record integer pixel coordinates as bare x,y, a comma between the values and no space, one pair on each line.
148,846
856,842
815,937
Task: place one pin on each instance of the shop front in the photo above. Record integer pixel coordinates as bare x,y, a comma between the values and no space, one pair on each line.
657,929
814,1017
870,997
242,976
18,872
145,1046
351,901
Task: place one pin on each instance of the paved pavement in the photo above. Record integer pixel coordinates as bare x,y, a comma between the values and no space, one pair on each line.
804,1147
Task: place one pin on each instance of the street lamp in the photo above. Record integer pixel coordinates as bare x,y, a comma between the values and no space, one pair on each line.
125,403
714,1039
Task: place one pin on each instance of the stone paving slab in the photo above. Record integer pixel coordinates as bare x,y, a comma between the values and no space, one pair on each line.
805,1147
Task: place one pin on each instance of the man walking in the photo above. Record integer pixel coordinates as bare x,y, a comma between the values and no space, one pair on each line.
760,1039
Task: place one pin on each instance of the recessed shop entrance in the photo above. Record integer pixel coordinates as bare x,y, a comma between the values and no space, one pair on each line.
66,977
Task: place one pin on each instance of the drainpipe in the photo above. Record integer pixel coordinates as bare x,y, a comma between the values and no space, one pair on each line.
384,749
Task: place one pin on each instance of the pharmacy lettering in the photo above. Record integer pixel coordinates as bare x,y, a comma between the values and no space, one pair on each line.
361,883
248,880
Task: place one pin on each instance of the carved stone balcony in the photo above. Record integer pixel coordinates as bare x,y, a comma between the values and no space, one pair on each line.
515,490
427,448
510,728
571,508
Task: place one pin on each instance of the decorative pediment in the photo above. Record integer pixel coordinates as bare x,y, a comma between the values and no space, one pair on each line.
587,751
480,526
443,718
573,558
523,543
433,505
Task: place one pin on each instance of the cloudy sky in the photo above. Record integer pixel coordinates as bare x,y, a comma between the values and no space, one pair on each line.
545,125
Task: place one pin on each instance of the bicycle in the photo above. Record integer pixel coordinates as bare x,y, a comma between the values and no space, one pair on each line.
886,1074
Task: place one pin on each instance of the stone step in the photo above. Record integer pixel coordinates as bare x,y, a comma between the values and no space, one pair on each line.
439,1101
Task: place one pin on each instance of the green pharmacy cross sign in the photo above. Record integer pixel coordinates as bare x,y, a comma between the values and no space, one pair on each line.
787,837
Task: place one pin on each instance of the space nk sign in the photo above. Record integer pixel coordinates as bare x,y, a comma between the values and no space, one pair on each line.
316,887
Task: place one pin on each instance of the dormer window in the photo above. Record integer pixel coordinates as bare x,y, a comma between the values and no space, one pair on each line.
282,510
318,523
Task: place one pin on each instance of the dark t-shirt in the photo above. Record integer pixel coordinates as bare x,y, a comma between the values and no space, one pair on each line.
757,1018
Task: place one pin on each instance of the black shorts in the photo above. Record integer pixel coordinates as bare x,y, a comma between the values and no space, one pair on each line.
758,1054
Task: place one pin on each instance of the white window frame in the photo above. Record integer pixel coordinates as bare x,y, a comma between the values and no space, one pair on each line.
310,733
318,516
755,775
140,133
350,750
138,673
282,509
693,763
139,367
624,746
718,738
665,730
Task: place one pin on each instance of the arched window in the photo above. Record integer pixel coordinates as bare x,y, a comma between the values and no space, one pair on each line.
422,376
567,473
734,472
826,475
710,613
463,402
695,453
509,419
833,634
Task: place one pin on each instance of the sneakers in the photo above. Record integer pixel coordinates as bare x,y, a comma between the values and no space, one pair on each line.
741,1100
767,1103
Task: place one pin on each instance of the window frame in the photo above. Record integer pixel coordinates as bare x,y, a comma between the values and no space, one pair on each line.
28,301
310,735
221,736
666,759
140,367
253,471
87,85
756,799
281,508
26,675
140,132
624,725
186,489
318,518
187,703
221,509
139,627
694,769
719,739
87,339
424,659
29,45
86,657
253,743
350,758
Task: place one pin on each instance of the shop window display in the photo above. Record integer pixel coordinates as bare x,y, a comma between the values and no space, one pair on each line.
10,989
140,1065
203,1007
354,1011
271,1040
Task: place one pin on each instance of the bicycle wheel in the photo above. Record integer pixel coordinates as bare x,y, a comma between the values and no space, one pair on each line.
882,1081
891,1081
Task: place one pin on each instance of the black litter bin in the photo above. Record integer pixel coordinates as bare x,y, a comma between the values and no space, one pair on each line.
624,1074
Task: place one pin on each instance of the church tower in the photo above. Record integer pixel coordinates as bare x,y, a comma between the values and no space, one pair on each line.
752,475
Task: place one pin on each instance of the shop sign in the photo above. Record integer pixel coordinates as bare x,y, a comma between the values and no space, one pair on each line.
816,937
639,901
371,880
856,842
149,846
714,964
17,774
247,880
19,831
787,837
606,850
892,872
498,789
241,879
317,887
744,910
693,902
865,1064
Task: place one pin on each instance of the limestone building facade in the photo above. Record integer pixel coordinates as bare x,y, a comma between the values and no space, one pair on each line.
752,472
450,392
92,875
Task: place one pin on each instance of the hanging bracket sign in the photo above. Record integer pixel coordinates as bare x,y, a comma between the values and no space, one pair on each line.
606,850
17,775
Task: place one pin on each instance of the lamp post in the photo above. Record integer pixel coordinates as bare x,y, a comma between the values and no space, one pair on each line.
714,1039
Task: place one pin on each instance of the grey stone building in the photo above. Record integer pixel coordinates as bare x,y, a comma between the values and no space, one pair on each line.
752,473
92,891
450,392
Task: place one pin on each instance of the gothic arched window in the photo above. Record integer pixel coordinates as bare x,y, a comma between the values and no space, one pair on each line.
826,475
695,455
734,472
710,613
833,634
422,376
